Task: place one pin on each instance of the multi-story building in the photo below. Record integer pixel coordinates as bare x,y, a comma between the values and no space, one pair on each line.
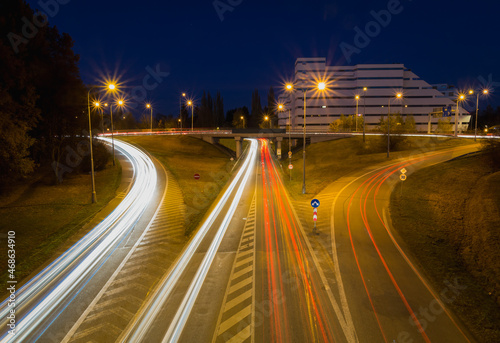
376,86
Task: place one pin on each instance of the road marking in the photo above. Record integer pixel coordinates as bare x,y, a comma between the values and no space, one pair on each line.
131,283
235,323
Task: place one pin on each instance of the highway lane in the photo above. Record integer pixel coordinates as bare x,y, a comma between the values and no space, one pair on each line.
300,307
164,316
42,300
388,295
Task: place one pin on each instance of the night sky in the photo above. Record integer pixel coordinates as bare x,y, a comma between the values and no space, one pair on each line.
257,42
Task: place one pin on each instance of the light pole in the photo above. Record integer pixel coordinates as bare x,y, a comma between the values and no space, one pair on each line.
94,195
190,103
485,92
357,103
151,107
364,111
183,95
281,107
266,119
242,122
320,86
461,97
398,96
112,88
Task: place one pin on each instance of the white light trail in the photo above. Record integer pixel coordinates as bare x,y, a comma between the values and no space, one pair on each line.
137,331
73,268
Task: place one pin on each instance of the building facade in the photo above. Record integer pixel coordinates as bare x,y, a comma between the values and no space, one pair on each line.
376,86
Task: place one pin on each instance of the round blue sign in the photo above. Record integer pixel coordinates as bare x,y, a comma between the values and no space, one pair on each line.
315,203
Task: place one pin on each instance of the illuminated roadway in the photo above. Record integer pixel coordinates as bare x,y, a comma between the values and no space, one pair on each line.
42,300
253,273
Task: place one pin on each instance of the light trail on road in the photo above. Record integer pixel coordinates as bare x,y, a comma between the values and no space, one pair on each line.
43,298
369,237
300,310
138,330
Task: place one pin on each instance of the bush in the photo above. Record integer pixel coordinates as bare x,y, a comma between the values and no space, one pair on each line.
101,157
491,148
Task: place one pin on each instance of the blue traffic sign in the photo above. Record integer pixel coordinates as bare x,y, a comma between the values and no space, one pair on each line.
315,203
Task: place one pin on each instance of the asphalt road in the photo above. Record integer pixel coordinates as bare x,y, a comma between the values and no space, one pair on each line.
254,271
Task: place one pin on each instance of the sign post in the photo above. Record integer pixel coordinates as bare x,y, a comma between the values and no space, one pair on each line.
315,204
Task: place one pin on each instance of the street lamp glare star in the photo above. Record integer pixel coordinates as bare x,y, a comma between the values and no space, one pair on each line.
289,86
112,86
96,104
321,86
485,91
357,97
399,95
148,105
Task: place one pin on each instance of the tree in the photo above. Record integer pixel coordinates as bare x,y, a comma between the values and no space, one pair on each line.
256,111
219,111
271,106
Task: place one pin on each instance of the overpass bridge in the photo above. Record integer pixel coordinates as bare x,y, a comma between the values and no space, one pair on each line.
275,135
213,136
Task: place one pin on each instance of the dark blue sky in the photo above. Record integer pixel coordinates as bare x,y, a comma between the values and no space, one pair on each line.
256,44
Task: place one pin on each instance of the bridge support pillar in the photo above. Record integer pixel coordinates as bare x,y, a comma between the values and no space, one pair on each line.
238,146
278,146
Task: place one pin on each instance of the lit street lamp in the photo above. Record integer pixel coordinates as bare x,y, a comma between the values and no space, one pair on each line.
364,111
190,103
398,96
461,97
485,92
357,103
281,108
242,122
112,88
183,95
94,195
320,86
151,108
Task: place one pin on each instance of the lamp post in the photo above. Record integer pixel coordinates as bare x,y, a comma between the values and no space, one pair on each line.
398,96
242,122
94,195
320,86
183,95
112,88
485,92
281,107
461,97
364,111
266,119
151,107
190,103
357,103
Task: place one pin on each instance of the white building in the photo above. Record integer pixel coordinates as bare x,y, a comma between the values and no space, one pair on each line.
343,83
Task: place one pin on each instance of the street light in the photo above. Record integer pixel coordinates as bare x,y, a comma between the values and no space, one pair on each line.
266,118
94,195
183,95
461,97
242,122
190,103
357,102
365,89
485,92
320,86
398,96
112,88
151,107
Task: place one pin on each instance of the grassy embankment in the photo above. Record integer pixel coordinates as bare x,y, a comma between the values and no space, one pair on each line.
449,218
183,157
328,161
44,215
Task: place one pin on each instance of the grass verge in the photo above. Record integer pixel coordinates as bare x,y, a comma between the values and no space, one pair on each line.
328,161
448,217
185,156
44,216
